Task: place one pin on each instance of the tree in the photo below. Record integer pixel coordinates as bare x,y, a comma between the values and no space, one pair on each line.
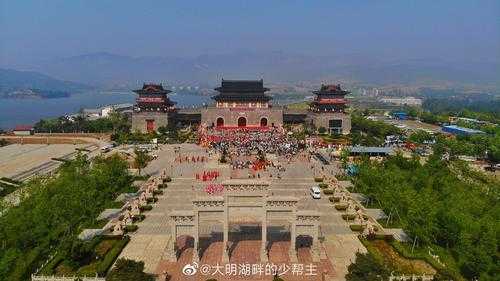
366,268
129,270
141,159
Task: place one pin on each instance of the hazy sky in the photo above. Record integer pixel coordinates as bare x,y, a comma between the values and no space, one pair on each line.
46,29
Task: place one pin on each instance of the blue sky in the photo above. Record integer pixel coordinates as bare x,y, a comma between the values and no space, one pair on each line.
455,29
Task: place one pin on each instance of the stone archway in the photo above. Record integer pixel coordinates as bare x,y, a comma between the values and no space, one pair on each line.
242,122
263,122
220,122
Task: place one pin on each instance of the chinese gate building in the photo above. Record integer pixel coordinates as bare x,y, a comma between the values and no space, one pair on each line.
242,104
153,108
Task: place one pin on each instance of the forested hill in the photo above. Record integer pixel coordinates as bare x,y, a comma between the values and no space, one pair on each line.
14,83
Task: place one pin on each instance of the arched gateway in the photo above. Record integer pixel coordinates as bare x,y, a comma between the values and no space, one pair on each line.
244,202
220,122
242,122
263,122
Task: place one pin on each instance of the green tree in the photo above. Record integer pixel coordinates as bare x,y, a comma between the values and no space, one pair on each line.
141,159
367,268
129,270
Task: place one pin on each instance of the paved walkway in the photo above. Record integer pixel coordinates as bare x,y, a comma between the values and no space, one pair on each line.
153,236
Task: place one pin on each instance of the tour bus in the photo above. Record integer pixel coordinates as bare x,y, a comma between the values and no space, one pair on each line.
315,192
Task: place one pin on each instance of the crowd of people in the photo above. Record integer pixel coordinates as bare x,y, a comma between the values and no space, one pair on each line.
192,159
249,142
208,175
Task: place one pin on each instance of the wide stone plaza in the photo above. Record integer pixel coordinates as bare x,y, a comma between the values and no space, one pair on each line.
242,221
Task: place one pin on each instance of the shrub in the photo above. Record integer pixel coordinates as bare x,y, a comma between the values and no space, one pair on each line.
341,207
356,227
323,185
167,179
152,200
129,270
139,217
157,192
348,216
131,228
146,208
162,186
328,192
318,179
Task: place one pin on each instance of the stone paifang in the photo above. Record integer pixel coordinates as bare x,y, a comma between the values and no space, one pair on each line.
241,104
250,200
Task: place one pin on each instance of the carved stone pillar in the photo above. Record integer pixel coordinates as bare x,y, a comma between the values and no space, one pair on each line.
225,254
293,239
196,234
172,253
263,249
315,244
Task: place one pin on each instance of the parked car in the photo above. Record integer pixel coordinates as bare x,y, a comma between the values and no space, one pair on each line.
315,192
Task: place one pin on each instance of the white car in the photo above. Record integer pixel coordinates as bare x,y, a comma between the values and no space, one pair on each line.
315,192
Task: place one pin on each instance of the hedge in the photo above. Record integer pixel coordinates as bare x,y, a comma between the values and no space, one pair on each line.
318,179
323,185
328,192
110,258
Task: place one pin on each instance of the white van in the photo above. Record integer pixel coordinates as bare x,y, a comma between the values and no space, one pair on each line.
315,192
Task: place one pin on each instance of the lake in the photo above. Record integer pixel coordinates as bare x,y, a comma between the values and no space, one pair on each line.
28,111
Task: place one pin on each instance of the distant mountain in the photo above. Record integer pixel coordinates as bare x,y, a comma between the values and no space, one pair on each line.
14,83
116,71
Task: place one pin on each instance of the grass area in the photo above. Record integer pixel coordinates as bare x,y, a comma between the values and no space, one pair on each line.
385,254
447,268
336,139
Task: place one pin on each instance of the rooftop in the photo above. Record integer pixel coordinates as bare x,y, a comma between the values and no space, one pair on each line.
462,129
242,90
242,86
371,149
331,89
151,88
